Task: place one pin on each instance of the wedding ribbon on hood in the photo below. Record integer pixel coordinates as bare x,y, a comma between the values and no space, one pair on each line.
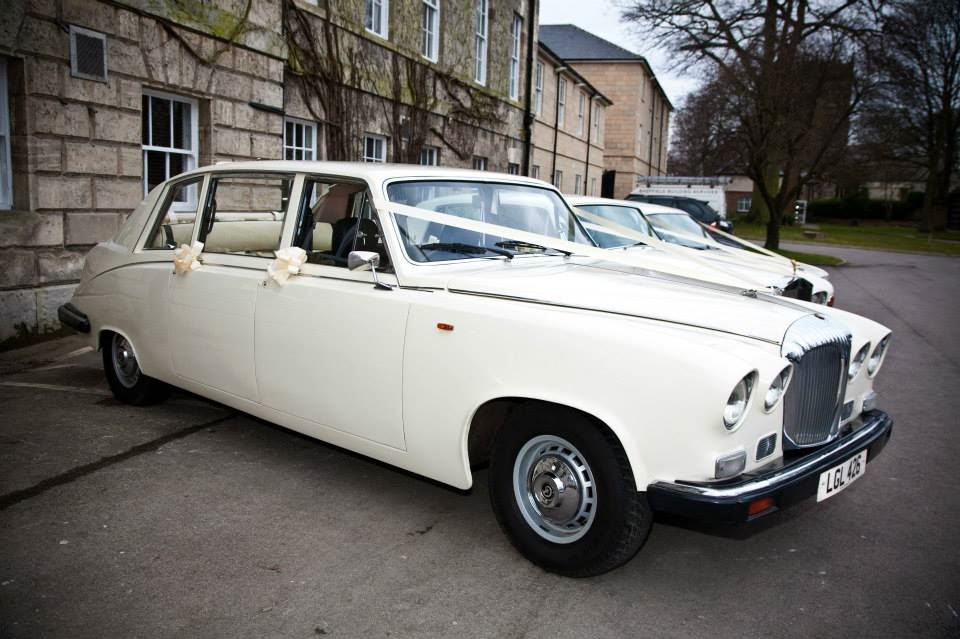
686,268
187,258
287,263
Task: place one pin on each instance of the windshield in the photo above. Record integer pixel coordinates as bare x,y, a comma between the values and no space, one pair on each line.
625,216
525,208
679,223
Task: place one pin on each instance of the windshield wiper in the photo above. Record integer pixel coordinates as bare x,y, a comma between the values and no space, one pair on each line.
468,249
521,244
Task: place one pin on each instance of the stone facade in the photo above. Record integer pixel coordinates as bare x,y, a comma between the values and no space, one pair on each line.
570,155
637,121
78,145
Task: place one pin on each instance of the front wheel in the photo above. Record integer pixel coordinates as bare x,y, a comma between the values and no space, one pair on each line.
563,491
124,376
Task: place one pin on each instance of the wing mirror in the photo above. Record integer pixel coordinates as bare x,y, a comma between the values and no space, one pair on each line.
363,260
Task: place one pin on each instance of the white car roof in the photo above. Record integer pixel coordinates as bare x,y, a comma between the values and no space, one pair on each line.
375,171
644,207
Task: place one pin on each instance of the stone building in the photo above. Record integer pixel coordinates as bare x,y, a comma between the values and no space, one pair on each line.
568,148
102,100
637,122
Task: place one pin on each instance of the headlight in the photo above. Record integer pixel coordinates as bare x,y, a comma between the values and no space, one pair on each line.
736,406
877,357
777,388
857,361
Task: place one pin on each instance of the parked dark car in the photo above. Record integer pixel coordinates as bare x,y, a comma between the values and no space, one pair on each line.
700,210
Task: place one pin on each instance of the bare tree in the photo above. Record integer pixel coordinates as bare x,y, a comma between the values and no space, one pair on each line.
790,66
705,133
914,117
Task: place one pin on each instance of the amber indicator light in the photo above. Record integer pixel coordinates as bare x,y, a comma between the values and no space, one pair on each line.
444,327
759,506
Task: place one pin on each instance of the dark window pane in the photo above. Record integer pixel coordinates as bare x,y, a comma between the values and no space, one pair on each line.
182,132
156,168
178,164
145,119
161,121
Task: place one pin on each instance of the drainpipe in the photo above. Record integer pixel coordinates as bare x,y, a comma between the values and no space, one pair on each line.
556,126
528,117
586,169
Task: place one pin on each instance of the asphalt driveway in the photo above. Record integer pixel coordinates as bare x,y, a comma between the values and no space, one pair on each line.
189,520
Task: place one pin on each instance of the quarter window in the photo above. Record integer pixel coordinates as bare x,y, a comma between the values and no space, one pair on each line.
376,17
175,227
299,140
480,42
561,101
515,30
169,139
244,214
6,171
431,29
374,148
538,89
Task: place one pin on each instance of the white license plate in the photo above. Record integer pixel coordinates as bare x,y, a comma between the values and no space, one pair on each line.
839,477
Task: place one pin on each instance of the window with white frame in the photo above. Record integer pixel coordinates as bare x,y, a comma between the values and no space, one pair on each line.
596,123
515,30
538,89
561,101
374,148
480,42
581,102
430,47
577,183
513,168
479,163
558,179
593,186
535,171
170,137
430,156
299,139
744,203
376,17
6,170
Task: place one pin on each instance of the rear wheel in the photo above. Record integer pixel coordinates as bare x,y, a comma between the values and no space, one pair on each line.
124,376
563,492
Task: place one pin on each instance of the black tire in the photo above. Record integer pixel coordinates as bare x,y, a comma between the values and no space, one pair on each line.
124,376
609,524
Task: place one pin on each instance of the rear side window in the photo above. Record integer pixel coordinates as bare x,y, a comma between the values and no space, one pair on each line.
243,214
174,224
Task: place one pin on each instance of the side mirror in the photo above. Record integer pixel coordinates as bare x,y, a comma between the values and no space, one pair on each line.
363,260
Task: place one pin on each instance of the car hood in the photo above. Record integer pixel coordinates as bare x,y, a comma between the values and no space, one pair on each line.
614,288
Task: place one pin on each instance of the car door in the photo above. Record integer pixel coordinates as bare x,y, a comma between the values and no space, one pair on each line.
210,310
329,345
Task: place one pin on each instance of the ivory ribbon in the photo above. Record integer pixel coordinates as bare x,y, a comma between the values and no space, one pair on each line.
187,258
691,269
288,262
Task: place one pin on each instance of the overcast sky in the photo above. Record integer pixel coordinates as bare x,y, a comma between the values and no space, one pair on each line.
602,18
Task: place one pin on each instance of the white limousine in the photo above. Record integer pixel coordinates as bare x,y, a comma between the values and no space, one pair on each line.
600,388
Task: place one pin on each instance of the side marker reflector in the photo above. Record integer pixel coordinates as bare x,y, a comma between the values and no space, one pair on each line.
444,327
760,506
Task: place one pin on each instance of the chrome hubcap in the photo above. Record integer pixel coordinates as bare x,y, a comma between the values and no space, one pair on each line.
553,486
125,362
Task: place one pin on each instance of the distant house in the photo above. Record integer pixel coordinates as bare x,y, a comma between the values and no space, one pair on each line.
635,131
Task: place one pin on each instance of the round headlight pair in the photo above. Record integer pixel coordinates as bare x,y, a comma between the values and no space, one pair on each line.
777,388
877,357
736,406
856,362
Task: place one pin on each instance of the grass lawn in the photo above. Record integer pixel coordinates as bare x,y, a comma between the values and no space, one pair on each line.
814,259
896,238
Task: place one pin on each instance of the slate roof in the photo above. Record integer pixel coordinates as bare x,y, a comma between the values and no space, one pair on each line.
570,42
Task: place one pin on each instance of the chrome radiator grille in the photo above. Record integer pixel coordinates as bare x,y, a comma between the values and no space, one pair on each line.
820,352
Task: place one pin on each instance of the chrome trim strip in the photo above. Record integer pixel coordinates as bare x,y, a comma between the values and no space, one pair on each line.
530,300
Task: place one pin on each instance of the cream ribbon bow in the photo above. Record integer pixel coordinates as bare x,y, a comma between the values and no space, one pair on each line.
187,258
288,262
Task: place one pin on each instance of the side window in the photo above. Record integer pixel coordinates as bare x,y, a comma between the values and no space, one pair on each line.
174,225
243,214
336,218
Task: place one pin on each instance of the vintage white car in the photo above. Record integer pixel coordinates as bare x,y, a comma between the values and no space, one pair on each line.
600,389
735,256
